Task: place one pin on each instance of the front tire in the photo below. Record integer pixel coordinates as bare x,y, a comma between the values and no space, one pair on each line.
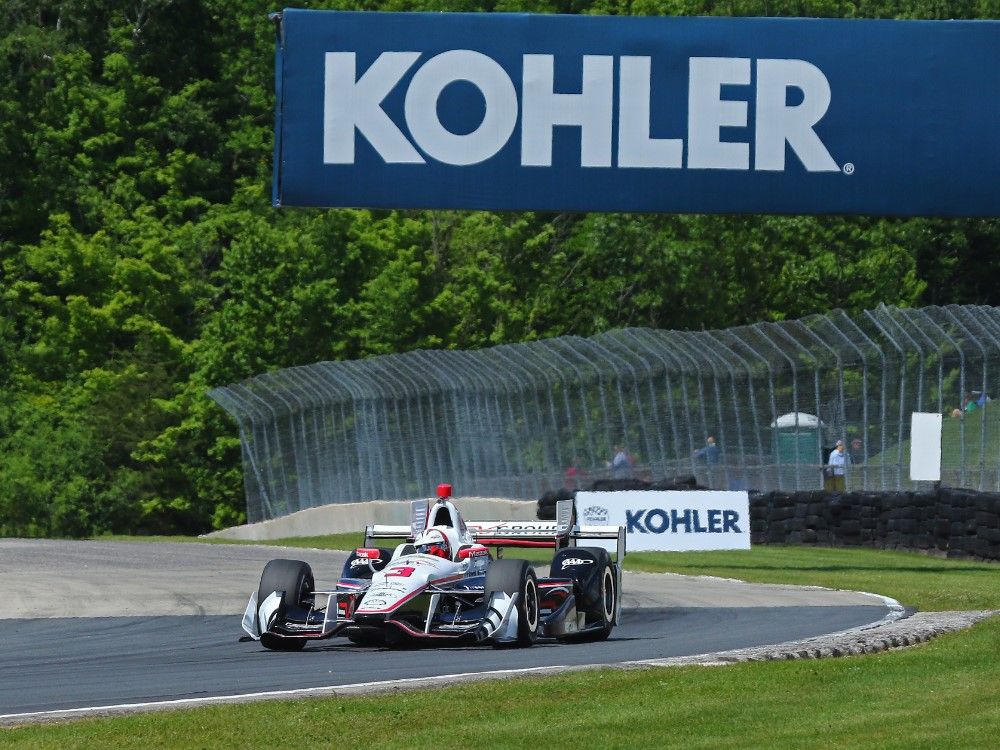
605,610
295,580
517,577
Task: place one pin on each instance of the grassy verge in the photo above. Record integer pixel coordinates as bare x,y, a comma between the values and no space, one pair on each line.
928,583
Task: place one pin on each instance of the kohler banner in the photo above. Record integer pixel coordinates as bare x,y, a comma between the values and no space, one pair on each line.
670,521
590,113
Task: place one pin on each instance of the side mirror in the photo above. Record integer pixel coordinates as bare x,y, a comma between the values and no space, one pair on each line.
473,551
369,553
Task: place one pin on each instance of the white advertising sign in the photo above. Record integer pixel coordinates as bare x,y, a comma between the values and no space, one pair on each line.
671,521
925,447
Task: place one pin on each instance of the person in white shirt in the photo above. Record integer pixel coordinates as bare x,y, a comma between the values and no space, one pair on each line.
837,463
621,466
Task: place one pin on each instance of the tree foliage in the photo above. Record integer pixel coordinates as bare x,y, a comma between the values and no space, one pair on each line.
141,263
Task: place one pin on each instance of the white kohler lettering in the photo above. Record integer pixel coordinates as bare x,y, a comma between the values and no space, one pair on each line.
350,103
421,107
353,106
590,110
778,123
635,147
708,112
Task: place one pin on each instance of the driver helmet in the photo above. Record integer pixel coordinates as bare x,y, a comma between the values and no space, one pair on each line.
433,542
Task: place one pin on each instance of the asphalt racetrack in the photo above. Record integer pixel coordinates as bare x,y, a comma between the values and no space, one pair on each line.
103,624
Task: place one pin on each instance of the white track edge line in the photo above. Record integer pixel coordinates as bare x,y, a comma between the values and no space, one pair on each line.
296,692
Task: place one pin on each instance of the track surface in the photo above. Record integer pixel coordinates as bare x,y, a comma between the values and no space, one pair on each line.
186,646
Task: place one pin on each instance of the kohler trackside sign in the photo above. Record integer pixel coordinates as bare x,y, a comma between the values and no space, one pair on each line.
724,115
671,521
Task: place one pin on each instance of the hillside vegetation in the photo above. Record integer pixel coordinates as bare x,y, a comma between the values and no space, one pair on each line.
141,262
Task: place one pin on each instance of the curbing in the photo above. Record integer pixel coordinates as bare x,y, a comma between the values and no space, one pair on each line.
908,631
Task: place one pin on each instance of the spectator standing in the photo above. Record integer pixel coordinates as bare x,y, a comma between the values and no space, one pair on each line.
857,452
837,468
710,453
621,464
572,476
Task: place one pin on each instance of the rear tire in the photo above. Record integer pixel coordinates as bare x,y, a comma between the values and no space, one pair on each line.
295,579
517,577
595,586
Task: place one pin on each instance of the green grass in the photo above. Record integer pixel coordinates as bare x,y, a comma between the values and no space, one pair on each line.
945,694
928,583
959,437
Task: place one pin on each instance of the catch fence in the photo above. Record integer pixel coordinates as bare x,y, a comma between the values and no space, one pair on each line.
521,419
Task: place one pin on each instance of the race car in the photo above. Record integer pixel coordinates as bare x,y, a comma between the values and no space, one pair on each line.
442,584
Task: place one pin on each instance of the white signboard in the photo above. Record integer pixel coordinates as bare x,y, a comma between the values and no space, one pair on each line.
925,447
671,521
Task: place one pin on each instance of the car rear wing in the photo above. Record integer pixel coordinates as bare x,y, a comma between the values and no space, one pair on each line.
562,532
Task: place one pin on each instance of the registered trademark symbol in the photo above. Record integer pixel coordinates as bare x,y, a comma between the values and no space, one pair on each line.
849,168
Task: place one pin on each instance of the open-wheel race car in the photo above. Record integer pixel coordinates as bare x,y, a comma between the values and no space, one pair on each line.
442,583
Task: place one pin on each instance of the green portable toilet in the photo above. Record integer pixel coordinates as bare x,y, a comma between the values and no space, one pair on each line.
797,439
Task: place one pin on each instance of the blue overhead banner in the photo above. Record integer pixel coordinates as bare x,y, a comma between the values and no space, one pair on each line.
678,115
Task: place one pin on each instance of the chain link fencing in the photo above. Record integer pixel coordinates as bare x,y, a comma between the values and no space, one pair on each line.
518,420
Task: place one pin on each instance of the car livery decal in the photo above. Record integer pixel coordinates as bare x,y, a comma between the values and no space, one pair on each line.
378,609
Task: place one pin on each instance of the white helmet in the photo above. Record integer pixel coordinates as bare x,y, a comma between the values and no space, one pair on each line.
433,542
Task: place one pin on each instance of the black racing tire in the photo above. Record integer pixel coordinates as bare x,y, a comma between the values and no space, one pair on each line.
517,577
595,586
606,610
295,579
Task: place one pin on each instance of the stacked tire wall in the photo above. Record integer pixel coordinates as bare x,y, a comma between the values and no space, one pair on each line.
951,522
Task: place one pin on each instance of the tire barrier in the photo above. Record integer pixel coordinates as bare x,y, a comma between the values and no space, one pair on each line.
952,522
547,502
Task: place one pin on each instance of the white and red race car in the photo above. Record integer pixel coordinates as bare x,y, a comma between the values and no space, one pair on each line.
442,583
